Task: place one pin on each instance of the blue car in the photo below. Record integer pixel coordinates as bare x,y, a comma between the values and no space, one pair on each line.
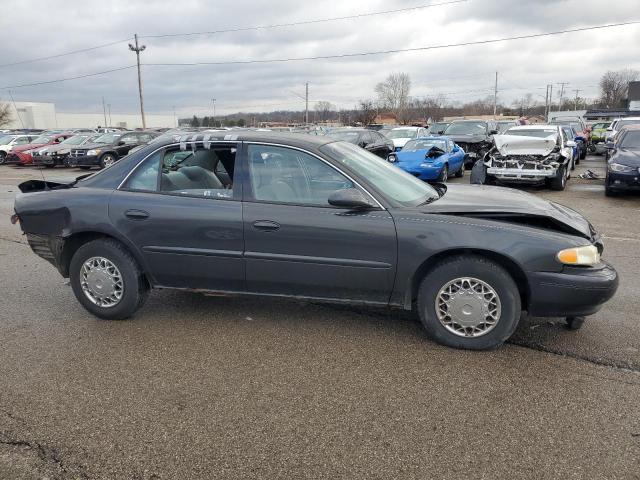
430,158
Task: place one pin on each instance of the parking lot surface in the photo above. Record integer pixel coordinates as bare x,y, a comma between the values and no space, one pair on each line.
232,387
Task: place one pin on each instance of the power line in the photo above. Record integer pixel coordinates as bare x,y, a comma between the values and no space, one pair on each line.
68,78
399,50
304,22
73,52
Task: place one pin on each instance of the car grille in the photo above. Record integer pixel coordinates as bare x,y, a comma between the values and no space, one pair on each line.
78,153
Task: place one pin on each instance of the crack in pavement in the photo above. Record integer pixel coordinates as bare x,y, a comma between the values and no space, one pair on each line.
48,455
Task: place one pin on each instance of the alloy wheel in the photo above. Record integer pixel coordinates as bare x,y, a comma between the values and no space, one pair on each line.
101,282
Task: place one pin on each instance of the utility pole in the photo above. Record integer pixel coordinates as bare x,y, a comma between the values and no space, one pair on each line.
562,85
138,49
213,120
546,104
109,112
495,98
104,112
17,111
576,104
306,104
550,100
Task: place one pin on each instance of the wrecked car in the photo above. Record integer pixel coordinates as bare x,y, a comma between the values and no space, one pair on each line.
309,217
430,159
475,137
528,154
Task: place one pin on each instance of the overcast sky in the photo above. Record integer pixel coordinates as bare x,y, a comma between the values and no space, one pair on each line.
33,29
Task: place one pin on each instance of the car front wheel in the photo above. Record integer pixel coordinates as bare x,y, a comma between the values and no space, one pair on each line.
469,302
444,174
3,156
107,280
107,160
460,172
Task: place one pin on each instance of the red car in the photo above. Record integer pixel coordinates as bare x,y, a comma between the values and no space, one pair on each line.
22,155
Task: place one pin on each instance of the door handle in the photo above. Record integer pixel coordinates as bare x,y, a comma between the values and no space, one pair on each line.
266,225
136,214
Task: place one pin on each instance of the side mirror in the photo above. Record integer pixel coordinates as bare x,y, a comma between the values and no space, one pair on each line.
349,198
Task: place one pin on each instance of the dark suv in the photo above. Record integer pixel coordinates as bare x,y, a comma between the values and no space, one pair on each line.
107,149
475,137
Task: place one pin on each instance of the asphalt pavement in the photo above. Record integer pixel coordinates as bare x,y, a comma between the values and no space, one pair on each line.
230,387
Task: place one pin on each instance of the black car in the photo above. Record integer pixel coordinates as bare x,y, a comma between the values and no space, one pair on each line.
623,163
56,155
107,149
305,216
475,137
370,140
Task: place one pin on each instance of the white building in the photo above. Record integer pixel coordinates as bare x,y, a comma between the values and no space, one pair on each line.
44,115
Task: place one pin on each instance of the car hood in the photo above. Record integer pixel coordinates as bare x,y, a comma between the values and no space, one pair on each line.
509,205
521,145
626,156
400,142
416,156
467,138
30,146
92,146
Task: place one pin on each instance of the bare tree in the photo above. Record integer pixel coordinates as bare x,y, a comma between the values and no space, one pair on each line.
614,86
5,114
366,112
393,94
324,110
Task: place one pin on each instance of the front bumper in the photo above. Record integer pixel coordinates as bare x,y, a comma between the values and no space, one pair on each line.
83,161
17,159
43,160
424,173
522,174
576,291
623,180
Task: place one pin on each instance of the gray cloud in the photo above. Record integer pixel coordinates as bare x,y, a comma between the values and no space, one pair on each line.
39,28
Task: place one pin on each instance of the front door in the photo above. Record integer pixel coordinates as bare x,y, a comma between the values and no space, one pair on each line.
298,244
183,212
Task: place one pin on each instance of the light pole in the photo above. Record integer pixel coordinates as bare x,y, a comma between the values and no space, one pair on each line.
213,120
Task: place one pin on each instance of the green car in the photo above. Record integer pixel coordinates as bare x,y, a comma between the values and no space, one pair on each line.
599,132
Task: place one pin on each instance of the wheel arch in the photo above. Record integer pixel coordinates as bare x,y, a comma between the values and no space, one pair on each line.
510,265
77,239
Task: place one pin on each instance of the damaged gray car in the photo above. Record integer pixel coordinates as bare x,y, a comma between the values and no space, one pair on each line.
528,154
309,217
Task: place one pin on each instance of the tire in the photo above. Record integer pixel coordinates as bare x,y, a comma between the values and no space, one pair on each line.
134,286
472,269
3,157
107,160
559,182
574,323
460,172
444,174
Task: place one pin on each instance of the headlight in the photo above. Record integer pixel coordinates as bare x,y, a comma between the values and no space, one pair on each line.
94,152
617,167
392,158
587,255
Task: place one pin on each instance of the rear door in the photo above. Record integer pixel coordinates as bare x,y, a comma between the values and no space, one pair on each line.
184,218
298,244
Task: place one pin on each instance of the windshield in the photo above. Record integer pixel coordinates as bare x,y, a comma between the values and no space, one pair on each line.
42,139
4,139
402,133
532,132
600,126
438,126
346,135
424,144
622,123
108,138
504,126
75,140
631,139
466,128
388,179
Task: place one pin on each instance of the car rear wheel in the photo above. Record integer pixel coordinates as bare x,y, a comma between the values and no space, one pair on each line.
460,172
107,160
3,157
469,302
107,280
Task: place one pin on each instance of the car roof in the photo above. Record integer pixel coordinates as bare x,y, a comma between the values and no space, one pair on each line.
407,127
301,140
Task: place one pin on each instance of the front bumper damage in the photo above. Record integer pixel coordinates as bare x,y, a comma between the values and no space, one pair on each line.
522,168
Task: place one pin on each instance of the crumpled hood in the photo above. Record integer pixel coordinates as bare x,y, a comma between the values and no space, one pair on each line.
482,199
521,145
